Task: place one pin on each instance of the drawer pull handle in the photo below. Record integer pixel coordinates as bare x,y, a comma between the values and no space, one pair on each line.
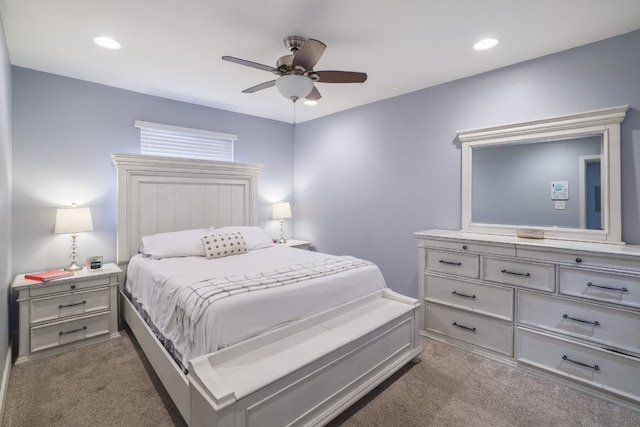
463,295
72,331
595,323
73,286
72,304
463,327
611,288
515,273
450,262
594,367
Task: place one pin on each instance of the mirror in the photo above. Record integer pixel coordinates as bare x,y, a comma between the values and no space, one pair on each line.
555,178
538,184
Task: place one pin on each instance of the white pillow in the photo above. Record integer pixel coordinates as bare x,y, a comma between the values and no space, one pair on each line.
254,237
175,243
222,245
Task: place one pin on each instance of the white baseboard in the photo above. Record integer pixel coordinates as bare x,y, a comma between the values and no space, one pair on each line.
4,385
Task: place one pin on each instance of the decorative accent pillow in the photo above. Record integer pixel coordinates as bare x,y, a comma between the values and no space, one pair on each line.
254,236
222,245
175,243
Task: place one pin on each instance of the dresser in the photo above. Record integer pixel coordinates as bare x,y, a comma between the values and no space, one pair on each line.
568,311
66,313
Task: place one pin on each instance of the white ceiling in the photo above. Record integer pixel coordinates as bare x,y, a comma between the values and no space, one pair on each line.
173,48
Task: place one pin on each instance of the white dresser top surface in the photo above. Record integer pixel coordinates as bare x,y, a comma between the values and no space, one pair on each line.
613,249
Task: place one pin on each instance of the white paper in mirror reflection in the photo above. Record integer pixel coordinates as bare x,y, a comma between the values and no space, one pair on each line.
560,189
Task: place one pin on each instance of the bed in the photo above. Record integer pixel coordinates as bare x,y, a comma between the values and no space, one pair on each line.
289,352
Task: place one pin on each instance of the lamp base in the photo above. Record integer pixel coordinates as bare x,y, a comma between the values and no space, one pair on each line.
73,267
282,239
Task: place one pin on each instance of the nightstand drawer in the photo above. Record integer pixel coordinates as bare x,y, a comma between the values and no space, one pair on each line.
59,307
518,273
456,263
66,285
60,333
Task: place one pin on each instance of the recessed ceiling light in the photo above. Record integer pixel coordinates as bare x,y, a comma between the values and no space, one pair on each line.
485,44
310,102
107,42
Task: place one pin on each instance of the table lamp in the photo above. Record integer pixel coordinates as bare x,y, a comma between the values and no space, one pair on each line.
73,221
281,211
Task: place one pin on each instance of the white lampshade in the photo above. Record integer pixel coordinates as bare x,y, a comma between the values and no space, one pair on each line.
281,210
294,87
73,220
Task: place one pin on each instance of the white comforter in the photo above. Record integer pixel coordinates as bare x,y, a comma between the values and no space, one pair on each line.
155,284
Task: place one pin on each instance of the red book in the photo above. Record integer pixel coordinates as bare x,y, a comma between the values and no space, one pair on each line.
45,276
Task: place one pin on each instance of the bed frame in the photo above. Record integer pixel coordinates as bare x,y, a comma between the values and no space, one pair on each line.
305,373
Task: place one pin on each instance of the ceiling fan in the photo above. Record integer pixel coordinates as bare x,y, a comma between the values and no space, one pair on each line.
296,74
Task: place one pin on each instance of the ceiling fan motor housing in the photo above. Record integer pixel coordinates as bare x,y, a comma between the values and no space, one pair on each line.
293,43
284,63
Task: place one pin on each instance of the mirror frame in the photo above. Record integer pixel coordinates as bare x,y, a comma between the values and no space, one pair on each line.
604,123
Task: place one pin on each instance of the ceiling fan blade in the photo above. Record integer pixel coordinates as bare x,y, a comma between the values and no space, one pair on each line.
314,95
250,64
261,86
341,76
309,54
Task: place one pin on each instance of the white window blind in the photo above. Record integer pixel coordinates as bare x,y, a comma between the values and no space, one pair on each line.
165,140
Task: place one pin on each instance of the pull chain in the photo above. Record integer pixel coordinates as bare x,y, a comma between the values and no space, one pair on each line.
294,112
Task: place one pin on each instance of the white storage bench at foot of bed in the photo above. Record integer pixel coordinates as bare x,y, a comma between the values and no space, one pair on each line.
308,372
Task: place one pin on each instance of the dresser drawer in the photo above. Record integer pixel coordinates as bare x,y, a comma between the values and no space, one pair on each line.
459,264
520,273
586,364
484,299
59,307
618,288
471,246
66,286
60,333
481,331
579,258
619,328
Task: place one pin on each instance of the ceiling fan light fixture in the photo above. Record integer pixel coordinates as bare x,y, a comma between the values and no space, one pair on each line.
294,87
310,102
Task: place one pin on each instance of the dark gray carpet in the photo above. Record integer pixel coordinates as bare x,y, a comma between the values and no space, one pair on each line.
112,384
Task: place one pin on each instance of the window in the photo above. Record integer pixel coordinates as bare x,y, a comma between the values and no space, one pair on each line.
164,140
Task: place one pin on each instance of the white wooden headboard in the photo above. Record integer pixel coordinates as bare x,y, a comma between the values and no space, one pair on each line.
162,194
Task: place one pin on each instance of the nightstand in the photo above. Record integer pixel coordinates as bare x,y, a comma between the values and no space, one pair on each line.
66,313
300,244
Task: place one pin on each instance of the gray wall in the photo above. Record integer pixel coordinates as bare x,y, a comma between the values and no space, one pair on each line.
64,131
365,179
5,196
368,178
